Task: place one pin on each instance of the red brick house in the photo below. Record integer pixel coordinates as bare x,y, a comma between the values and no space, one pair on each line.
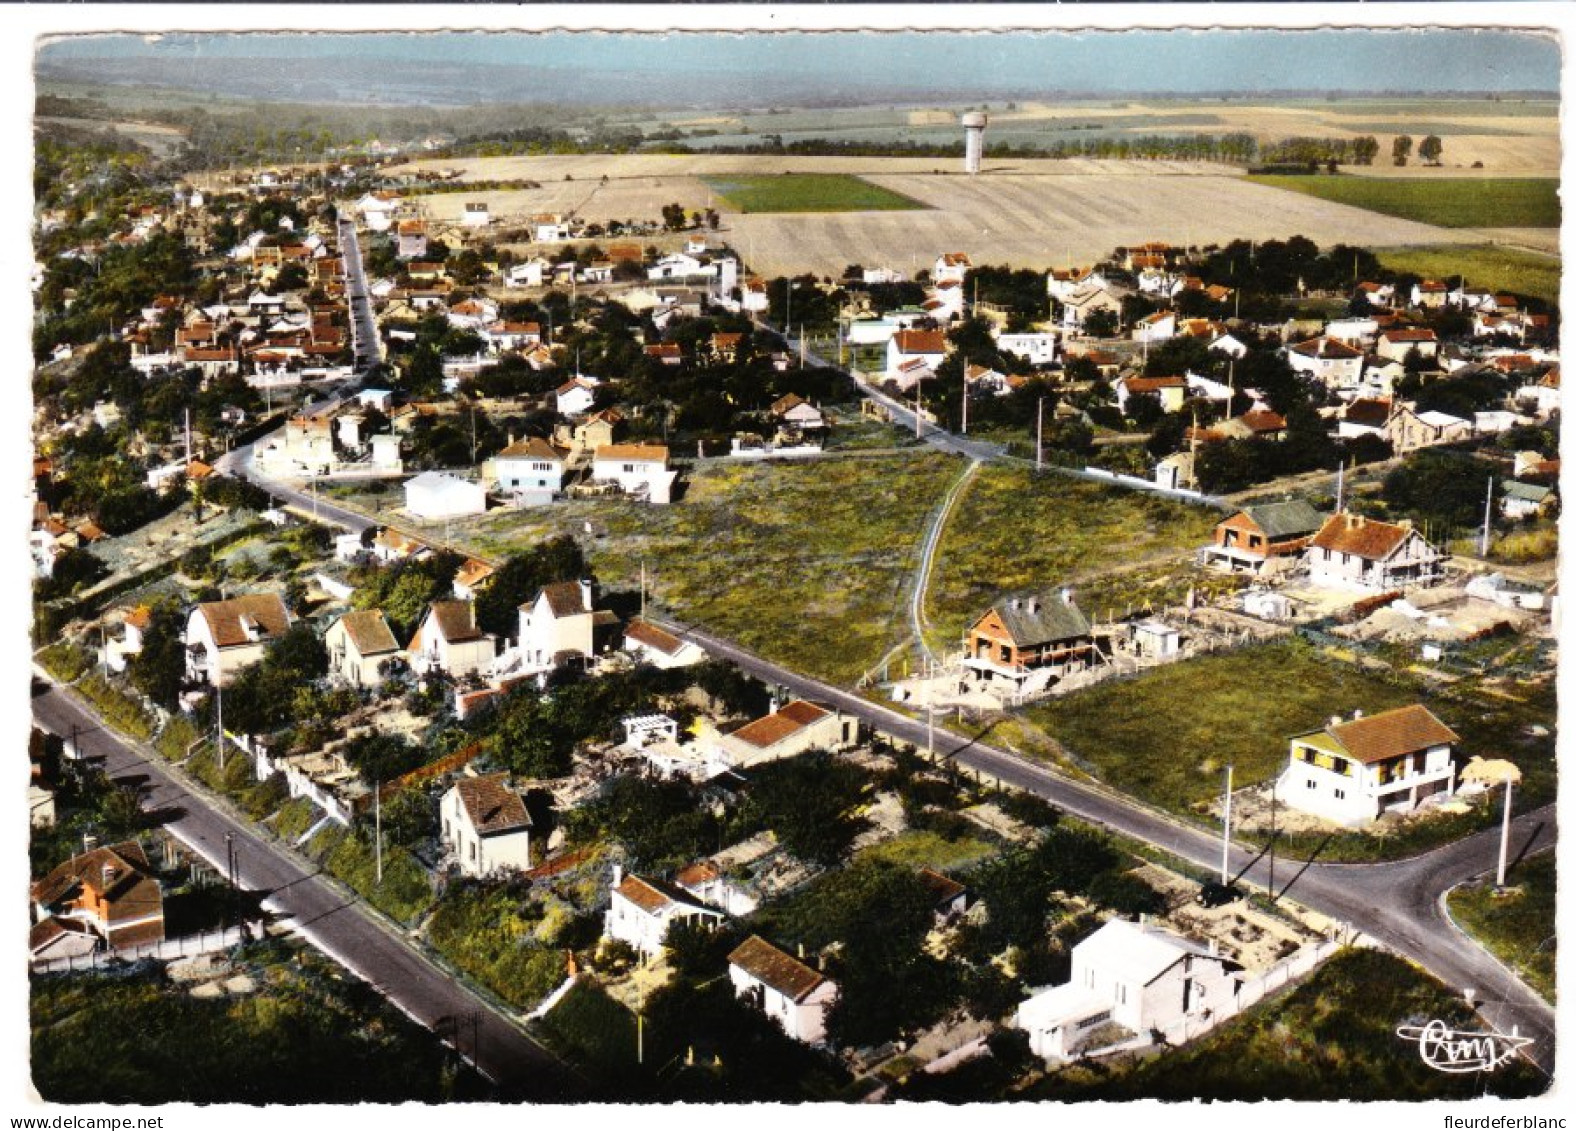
1253,536
1023,634
111,891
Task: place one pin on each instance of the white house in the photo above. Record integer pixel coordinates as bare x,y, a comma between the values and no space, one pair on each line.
1353,771
658,647
1080,304
641,910
1160,326
529,470
1332,363
476,215
639,469
950,267
793,729
905,347
1356,332
575,396
549,228
1354,552
792,994
1038,349
378,210
486,826
437,494
558,624
1138,976
532,273
224,636
709,884
1397,344
448,641
358,644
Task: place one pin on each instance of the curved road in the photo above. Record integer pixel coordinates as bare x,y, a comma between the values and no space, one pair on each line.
343,928
1396,903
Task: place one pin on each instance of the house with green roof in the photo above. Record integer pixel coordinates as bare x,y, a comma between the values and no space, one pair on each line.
1257,536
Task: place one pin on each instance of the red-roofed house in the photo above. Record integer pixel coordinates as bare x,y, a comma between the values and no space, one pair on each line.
486,826
1397,344
658,647
792,994
224,636
928,347
795,728
449,641
1353,771
640,911
111,891
1352,551
1328,360
1171,392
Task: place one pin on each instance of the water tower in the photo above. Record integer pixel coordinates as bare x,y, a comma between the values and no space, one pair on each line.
973,141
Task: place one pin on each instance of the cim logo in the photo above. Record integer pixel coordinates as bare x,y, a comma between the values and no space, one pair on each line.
1450,1050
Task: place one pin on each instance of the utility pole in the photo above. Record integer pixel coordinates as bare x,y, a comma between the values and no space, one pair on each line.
1225,834
377,826
642,589
1039,435
1488,519
1272,839
1504,838
919,404
965,428
218,695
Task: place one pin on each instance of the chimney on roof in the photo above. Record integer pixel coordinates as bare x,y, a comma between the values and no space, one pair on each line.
801,952
511,438
618,874
586,593
1214,948
111,874
1335,720
1357,714
1405,524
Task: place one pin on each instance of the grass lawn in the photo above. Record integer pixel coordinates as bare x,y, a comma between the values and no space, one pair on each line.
501,940
920,849
1500,202
1167,736
803,563
807,192
1014,530
1500,268
1518,927
1331,1038
307,1034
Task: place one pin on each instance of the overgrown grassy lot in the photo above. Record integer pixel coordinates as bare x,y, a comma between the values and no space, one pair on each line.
406,889
308,1034
1167,736
804,563
1517,926
807,192
1015,530
1450,202
501,939
1500,268
1331,1038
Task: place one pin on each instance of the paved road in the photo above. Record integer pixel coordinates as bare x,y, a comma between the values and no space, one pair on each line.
345,930
1396,903
363,326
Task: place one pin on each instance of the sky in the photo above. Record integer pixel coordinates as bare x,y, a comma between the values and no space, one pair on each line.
1177,61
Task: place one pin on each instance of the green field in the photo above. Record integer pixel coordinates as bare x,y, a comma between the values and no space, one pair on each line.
1168,735
1517,926
1014,530
1500,268
1500,202
804,563
807,192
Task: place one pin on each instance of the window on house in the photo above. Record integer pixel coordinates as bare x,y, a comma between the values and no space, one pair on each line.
1340,795
1311,784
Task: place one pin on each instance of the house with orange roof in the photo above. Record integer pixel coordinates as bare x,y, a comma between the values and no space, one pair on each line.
1170,391
471,578
1353,770
790,730
222,637
641,909
1362,554
529,471
640,470
907,349
359,644
1161,326
659,647
561,625
486,826
449,642
794,995
110,891
1329,361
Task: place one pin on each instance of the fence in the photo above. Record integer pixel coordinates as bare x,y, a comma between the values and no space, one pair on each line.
1185,494
1253,991
203,942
